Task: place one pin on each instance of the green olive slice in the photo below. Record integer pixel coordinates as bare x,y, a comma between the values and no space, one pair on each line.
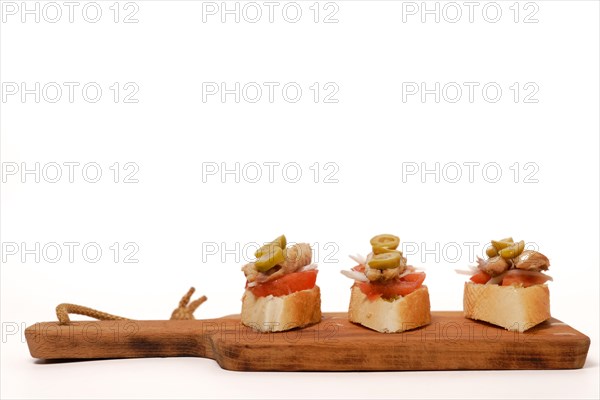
385,260
269,259
513,250
501,244
389,241
265,249
381,250
491,252
280,242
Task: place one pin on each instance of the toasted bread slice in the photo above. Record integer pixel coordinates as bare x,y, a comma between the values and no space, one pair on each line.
391,316
281,313
511,307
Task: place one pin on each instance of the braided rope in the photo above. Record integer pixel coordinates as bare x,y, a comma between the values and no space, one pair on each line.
184,311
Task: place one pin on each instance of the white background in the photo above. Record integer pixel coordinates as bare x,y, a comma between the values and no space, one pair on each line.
174,214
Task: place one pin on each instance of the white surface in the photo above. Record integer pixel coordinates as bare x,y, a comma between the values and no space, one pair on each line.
368,134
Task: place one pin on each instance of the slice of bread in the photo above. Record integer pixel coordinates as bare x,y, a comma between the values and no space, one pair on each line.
281,313
511,307
384,316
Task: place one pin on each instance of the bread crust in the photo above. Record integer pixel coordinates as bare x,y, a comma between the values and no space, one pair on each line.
511,307
281,313
399,315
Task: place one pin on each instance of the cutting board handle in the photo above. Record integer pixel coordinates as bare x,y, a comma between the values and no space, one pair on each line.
124,338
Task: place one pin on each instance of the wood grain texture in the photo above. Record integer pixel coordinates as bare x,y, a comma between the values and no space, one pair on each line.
450,342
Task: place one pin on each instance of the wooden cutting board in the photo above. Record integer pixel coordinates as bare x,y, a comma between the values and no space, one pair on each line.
450,342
